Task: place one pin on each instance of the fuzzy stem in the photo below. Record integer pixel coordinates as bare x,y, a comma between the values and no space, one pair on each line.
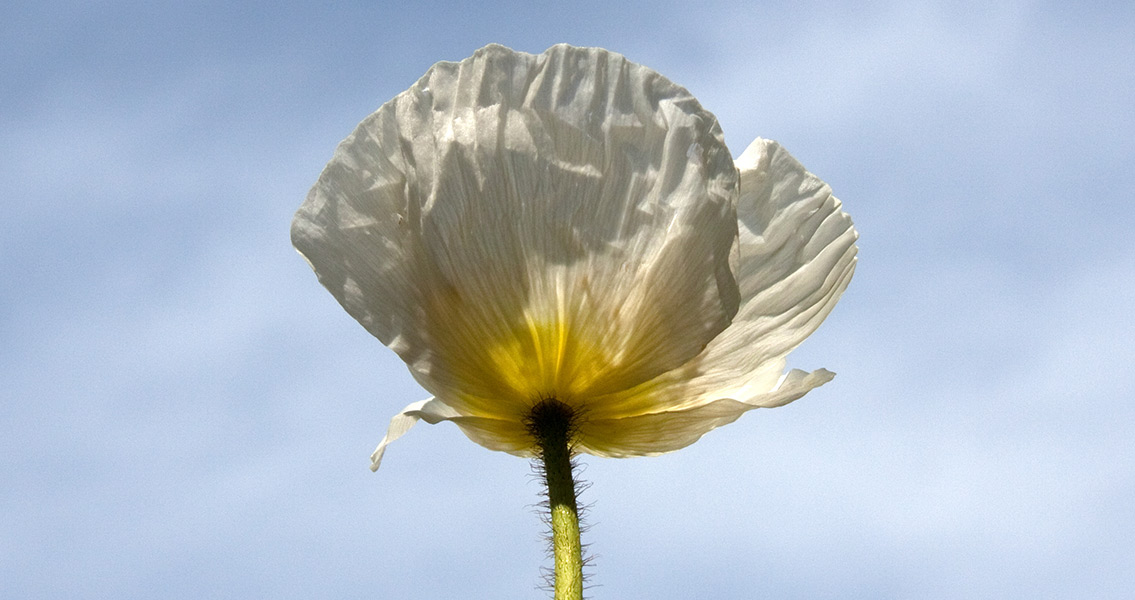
551,425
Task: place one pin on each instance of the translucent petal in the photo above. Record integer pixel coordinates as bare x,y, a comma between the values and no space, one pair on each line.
519,226
665,431
797,255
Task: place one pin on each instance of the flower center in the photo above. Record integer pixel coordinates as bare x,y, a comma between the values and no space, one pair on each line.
551,422
547,360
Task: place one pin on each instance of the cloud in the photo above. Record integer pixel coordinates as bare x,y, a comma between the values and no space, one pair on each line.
189,412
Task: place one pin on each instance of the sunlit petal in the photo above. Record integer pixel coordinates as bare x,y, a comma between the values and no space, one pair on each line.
660,432
519,226
797,256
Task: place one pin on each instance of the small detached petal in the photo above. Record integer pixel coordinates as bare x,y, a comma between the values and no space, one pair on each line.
571,226
507,436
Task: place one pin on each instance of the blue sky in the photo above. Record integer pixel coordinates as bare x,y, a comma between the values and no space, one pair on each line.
188,414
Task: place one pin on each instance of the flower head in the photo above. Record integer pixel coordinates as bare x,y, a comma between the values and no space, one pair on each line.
570,226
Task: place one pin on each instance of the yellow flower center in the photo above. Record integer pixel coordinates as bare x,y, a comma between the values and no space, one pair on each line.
545,360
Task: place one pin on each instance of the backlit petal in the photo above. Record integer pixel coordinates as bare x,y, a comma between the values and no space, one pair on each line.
797,255
660,432
519,226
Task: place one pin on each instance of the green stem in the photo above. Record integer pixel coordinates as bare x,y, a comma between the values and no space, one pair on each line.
551,425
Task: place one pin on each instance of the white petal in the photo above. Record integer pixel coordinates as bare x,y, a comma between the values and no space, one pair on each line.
429,409
518,226
797,255
657,433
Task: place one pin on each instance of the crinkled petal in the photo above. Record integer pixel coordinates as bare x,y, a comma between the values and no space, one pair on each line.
797,256
518,227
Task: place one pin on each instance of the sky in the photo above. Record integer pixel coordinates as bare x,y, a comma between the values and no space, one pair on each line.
187,413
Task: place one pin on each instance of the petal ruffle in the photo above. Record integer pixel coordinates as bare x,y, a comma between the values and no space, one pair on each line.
519,226
797,256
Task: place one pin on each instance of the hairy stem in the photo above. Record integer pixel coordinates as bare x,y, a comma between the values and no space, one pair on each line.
551,425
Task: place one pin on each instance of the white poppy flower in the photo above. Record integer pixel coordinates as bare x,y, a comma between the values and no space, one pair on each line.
571,226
